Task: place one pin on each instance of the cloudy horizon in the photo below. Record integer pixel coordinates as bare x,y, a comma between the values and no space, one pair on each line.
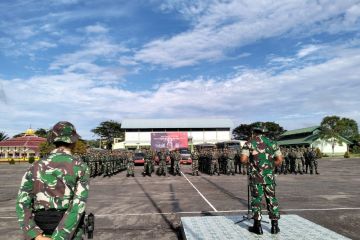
291,62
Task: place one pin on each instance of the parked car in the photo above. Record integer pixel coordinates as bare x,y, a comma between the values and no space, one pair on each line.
185,156
139,158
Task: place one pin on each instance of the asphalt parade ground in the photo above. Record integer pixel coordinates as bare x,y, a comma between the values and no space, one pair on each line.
151,207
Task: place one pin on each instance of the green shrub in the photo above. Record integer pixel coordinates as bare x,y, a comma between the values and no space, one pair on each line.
324,155
31,159
12,161
355,149
347,155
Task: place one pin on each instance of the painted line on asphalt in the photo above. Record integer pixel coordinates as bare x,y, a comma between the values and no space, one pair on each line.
207,201
205,212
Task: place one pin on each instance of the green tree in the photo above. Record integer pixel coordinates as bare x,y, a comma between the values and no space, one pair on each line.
18,135
244,131
349,129
41,132
45,148
274,129
80,147
108,130
93,143
3,136
331,129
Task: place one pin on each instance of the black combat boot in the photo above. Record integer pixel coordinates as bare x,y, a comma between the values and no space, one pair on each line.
274,227
197,173
256,228
317,172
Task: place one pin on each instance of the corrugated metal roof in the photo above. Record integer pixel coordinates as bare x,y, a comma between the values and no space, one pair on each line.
299,131
176,123
298,141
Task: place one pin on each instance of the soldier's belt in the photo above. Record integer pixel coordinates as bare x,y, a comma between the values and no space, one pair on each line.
48,220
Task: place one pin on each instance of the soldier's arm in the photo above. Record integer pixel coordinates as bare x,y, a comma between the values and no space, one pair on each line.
245,153
278,157
24,207
71,219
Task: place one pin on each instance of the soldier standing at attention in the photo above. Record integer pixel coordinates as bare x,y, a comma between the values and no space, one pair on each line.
130,165
53,192
195,163
298,161
177,158
214,158
262,154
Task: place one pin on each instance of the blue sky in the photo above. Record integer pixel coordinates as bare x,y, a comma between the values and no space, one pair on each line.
292,62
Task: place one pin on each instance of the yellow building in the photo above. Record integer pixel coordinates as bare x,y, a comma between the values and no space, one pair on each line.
21,148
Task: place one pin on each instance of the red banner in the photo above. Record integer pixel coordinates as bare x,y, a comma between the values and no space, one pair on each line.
169,140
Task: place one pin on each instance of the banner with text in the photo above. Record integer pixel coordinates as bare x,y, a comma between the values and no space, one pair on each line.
169,140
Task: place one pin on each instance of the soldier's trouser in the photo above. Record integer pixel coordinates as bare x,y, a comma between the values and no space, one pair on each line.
162,168
176,167
257,192
244,168
298,165
214,167
78,235
313,163
303,164
230,166
195,166
130,168
237,166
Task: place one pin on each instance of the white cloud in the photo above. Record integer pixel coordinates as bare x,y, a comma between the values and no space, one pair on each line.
297,97
97,28
218,26
306,50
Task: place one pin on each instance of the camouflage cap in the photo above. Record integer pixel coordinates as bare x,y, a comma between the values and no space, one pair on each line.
63,132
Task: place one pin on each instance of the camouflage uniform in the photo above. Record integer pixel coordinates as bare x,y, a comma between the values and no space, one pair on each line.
148,168
298,161
195,163
177,158
130,165
59,182
261,152
214,157
230,158
162,163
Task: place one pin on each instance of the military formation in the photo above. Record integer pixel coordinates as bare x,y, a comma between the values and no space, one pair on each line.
298,160
214,161
221,161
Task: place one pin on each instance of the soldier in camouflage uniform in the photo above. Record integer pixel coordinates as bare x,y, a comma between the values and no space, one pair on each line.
195,162
262,155
53,192
177,158
313,161
298,161
162,163
130,165
148,168
230,158
214,158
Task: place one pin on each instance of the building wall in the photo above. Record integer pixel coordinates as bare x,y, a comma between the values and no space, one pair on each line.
198,137
16,153
326,147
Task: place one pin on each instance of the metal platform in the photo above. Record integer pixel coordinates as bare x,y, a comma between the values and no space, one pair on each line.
224,227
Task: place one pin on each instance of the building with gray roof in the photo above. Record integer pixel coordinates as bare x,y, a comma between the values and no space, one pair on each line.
199,130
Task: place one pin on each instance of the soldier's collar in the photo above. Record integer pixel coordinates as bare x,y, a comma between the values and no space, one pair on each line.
62,150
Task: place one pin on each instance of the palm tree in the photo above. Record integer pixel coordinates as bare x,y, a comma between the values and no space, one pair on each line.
3,136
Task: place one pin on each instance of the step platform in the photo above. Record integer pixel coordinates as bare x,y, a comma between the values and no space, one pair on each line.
224,227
